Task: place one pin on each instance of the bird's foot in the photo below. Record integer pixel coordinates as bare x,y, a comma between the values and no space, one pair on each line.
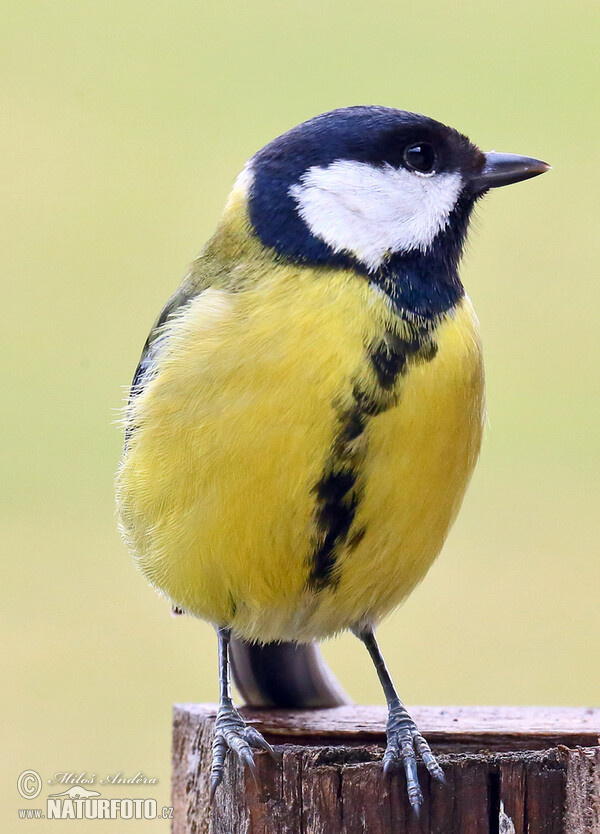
404,744
231,731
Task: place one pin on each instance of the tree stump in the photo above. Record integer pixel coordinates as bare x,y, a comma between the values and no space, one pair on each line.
508,770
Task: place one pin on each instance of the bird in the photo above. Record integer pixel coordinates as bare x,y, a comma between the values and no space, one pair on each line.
308,409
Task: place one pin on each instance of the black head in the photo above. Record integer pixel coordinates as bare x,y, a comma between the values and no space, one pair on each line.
386,192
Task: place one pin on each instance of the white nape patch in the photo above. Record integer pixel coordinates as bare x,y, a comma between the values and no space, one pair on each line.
241,186
372,212
244,179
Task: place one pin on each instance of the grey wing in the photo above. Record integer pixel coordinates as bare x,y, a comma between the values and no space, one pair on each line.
145,367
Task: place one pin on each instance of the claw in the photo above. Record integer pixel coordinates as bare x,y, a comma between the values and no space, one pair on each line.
440,776
263,744
248,759
416,807
436,771
429,760
214,784
405,744
232,732
389,767
255,738
218,758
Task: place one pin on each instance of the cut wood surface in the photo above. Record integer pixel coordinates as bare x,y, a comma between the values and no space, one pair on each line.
532,770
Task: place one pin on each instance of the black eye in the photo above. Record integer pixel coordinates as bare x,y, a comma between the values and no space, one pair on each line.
420,158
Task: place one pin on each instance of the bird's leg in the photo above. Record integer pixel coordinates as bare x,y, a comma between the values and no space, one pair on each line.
404,741
231,730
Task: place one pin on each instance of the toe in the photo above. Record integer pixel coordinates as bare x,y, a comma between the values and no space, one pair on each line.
412,778
232,732
255,738
429,760
391,757
242,749
218,759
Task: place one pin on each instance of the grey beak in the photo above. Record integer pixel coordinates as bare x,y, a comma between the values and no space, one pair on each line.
506,168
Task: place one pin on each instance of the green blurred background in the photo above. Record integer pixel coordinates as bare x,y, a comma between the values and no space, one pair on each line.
123,125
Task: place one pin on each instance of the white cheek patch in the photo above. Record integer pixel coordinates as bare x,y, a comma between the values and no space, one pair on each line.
373,212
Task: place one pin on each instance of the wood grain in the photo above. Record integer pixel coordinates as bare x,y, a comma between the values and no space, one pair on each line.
511,771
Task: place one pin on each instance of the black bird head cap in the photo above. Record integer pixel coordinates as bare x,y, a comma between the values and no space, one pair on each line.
363,186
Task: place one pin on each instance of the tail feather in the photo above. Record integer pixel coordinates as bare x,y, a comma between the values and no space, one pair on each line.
284,675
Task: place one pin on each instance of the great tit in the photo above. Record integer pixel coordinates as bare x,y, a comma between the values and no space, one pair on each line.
308,407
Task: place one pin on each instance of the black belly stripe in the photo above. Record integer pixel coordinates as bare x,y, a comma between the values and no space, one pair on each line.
389,357
336,507
352,425
337,496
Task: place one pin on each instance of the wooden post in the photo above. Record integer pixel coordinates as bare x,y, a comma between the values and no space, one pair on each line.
509,771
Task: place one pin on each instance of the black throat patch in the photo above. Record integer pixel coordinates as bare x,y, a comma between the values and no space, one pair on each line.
338,492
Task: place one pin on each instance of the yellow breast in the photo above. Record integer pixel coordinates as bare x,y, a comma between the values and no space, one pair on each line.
217,490
421,455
